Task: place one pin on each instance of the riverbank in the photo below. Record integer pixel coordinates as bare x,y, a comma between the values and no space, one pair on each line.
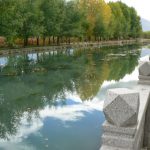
6,51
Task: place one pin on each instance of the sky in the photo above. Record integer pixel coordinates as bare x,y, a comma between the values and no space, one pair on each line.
142,7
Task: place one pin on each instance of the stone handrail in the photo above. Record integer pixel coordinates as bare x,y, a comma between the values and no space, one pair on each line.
144,73
127,115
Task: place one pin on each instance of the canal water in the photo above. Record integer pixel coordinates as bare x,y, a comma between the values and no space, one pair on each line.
53,100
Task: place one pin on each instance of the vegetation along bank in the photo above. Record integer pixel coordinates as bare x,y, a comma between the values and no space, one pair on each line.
51,22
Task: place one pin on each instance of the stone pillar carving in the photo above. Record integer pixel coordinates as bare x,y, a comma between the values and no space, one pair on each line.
121,111
144,73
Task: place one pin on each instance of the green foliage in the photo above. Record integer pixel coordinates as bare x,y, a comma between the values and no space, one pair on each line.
119,20
8,25
125,21
146,35
30,19
72,21
136,28
83,19
53,12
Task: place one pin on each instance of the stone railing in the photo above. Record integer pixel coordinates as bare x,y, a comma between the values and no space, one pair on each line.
144,73
127,113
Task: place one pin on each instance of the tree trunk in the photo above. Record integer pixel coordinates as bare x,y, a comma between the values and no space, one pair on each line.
37,41
69,41
49,41
32,41
43,41
61,39
89,38
58,40
80,39
25,41
53,39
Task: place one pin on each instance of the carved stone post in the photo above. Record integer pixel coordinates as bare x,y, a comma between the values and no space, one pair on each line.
121,111
144,78
144,73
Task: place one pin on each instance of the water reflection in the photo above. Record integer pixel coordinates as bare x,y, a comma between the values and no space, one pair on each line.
52,99
57,128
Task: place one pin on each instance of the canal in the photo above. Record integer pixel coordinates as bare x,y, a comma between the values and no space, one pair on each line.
54,99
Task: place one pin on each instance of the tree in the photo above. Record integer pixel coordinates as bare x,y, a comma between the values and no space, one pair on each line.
30,19
127,24
85,19
89,9
118,19
136,29
53,11
103,18
8,21
72,22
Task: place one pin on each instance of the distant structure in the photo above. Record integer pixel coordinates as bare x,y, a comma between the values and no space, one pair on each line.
127,114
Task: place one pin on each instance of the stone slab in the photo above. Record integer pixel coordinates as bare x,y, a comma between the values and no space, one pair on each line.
104,147
144,77
144,82
118,141
109,128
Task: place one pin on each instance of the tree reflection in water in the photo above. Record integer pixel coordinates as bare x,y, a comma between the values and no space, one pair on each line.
30,82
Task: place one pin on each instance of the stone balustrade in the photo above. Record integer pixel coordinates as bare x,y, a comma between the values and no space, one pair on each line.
127,113
144,73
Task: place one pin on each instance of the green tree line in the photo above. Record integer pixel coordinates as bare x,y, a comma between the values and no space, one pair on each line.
58,21
146,34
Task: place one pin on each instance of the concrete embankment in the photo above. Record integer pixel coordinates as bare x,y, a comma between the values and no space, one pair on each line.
7,51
